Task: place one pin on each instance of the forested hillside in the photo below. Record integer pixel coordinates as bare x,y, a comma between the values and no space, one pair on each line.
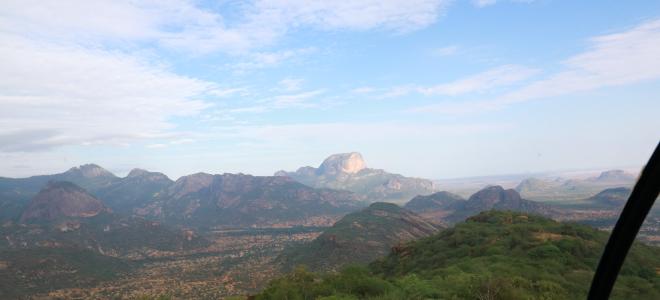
494,255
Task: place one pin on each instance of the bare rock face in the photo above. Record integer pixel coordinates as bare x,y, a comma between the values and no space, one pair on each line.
349,163
349,172
191,184
90,171
61,200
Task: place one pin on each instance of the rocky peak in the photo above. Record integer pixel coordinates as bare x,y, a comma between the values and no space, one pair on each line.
137,172
435,201
492,195
90,171
191,184
144,174
350,163
615,175
613,196
60,200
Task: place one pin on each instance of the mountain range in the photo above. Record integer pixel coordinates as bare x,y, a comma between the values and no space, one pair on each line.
445,207
349,171
199,200
558,189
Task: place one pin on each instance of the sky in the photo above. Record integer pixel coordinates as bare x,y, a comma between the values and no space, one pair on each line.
426,88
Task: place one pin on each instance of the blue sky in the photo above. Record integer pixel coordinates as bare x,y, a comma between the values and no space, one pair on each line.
427,88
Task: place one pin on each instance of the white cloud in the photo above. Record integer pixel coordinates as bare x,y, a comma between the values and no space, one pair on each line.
262,60
498,77
181,24
295,100
290,84
490,79
62,95
623,58
395,15
226,92
483,3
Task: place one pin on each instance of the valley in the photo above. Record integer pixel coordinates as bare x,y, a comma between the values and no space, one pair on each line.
88,234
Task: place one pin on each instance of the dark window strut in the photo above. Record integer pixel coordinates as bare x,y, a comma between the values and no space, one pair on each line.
634,212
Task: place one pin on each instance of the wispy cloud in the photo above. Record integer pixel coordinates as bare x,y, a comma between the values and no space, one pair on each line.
487,80
290,84
181,24
294,100
616,59
262,60
445,51
484,3
83,95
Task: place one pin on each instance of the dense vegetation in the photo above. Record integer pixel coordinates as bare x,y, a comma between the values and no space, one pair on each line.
494,255
29,271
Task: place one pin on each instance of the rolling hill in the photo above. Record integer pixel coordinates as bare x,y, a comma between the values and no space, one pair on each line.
359,237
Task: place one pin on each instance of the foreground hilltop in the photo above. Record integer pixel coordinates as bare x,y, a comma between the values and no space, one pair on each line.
349,171
360,237
494,255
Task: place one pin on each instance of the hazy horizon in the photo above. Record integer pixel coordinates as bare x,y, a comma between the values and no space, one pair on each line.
427,88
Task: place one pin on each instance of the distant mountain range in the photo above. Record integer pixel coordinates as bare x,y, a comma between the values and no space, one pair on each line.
445,207
348,171
360,237
558,189
63,215
198,200
206,200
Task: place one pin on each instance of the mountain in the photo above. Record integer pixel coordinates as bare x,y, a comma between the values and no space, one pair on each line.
536,185
200,199
360,237
496,197
614,176
562,190
69,238
205,200
135,190
435,206
494,255
444,207
89,176
613,197
65,215
60,200
16,193
348,171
